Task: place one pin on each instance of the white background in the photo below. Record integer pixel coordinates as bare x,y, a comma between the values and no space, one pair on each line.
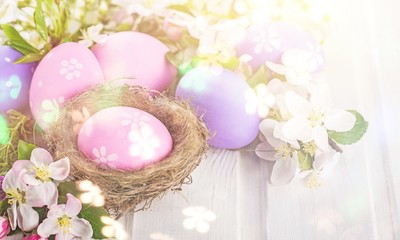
360,200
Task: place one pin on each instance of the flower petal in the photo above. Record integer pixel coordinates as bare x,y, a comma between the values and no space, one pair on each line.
10,181
41,157
59,170
73,206
21,164
82,228
284,171
56,211
265,151
320,136
297,105
13,216
48,227
297,128
277,68
30,179
28,219
339,120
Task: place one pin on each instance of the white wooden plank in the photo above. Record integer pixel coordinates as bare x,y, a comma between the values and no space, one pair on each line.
214,187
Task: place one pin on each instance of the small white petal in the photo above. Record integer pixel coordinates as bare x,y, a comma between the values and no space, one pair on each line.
21,164
189,223
59,170
28,219
13,216
30,179
320,136
339,120
48,227
298,105
73,206
41,157
284,171
56,211
297,129
81,228
202,226
265,151
277,68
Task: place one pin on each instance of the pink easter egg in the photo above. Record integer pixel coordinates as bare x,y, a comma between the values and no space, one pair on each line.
135,58
124,138
67,70
268,42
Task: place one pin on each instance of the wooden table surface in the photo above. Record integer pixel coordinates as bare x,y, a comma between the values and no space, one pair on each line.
360,200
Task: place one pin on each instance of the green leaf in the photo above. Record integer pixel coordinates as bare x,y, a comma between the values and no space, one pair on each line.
353,135
16,41
30,57
232,64
305,161
94,215
259,77
24,150
67,187
40,21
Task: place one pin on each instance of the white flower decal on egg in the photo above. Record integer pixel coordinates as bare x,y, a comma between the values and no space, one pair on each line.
52,109
104,160
144,142
136,120
267,41
198,218
71,68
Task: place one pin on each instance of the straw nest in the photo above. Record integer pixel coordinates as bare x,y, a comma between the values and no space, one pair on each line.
124,191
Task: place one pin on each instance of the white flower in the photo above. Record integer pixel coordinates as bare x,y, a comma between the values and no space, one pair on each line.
259,102
91,193
284,154
93,35
144,142
71,68
136,119
297,65
267,42
63,222
103,159
42,169
22,198
198,218
312,118
9,11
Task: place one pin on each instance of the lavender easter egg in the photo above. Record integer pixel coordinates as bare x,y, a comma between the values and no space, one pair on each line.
226,102
124,138
67,70
15,80
135,58
268,42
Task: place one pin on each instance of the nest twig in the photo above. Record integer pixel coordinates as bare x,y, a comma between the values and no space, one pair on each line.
124,191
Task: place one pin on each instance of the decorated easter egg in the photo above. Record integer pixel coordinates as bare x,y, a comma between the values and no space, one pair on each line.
15,80
268,43
67,70
124,138
135,58
226,102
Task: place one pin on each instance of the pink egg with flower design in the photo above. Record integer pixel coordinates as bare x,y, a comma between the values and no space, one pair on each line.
264,43
67,70
124,138
137,59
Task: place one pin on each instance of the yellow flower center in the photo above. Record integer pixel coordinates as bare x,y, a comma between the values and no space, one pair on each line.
64,224
15,196
42,173
309,148
284,151
316,118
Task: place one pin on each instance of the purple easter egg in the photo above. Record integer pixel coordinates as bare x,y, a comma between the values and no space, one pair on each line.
226,101
268,43
15,80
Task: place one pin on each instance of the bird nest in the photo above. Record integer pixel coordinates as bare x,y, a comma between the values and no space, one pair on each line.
133,190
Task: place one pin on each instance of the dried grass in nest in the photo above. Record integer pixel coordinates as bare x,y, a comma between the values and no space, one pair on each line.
123,191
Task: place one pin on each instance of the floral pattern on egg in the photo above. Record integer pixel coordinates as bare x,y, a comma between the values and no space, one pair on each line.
71,68
124,138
